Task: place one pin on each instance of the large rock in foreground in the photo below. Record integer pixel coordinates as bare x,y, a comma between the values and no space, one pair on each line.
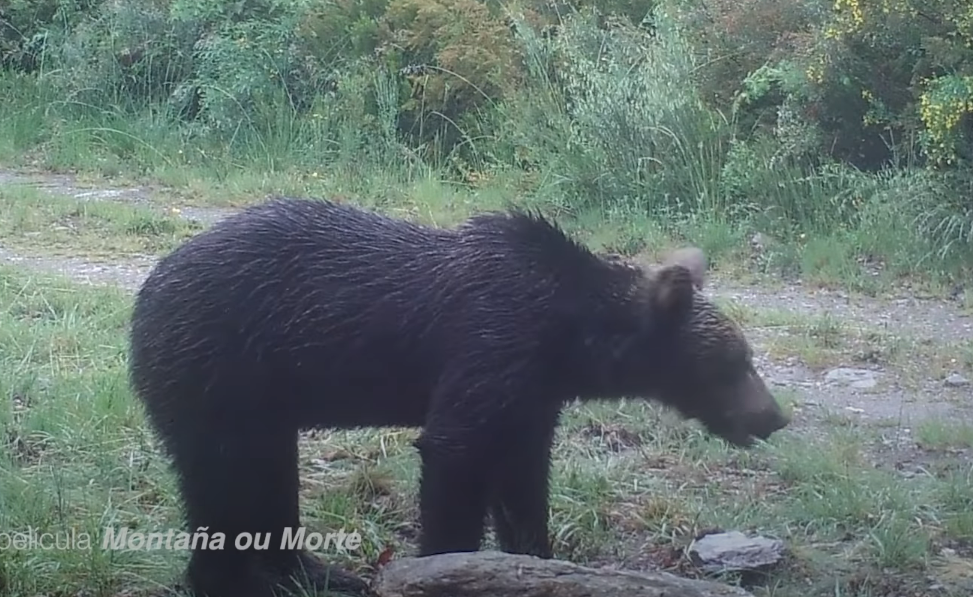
492,573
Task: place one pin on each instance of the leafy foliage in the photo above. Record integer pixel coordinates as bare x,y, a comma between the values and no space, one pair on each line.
763,111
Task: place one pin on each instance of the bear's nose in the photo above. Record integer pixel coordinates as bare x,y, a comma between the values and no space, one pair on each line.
769,421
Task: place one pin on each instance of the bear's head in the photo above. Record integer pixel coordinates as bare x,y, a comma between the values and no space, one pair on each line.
703,365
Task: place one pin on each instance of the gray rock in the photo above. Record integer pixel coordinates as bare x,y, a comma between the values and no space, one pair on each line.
734,551
490,573
862,379
956,380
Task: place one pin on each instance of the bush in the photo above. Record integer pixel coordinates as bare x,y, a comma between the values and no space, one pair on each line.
607,113
765,113
126,52
29,27
880,81
458,58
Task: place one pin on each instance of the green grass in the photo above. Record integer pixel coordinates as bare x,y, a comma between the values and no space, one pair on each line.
629,162
617,209
823,340
631,483
38,221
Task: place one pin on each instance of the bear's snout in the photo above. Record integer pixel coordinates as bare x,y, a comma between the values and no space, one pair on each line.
760,416
768,421
753,414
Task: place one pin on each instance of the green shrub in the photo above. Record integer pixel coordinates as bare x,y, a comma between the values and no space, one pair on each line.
880,80
29,27
606,112
126,52
458,59
779,116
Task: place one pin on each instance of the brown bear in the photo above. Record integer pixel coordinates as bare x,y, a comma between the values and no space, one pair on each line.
295,314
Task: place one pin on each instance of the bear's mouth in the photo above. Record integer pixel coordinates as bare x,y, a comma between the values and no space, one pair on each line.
731,432
744,428
743,434
741,429
739,439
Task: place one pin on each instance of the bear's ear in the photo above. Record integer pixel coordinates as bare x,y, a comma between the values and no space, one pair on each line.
672,290
691,258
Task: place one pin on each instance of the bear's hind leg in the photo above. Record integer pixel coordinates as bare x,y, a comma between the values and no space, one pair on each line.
242,476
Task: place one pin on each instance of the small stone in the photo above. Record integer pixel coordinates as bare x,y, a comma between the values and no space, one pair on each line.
734,551
861,379
956,380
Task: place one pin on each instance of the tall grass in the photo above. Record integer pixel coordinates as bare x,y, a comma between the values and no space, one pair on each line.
606,126
610,118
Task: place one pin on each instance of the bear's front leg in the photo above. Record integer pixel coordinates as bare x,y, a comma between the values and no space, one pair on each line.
452,497
520,487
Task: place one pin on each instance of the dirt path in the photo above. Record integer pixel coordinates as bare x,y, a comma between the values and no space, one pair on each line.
70,186
127,274
865,392
858,387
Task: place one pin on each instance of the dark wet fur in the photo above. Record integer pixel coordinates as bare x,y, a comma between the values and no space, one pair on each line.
297,313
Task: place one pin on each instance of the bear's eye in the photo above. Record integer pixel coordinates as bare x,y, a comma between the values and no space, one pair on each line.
740,364
729,370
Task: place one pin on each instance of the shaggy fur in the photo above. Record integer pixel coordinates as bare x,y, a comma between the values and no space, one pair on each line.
296,314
